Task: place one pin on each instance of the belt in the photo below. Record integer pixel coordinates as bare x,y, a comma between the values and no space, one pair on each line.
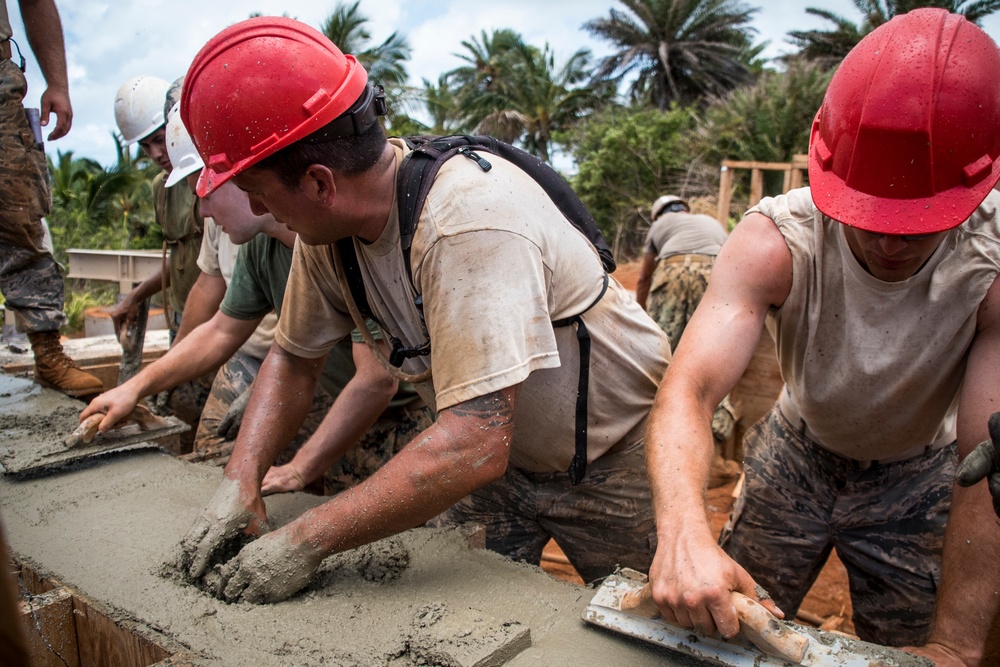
5,51
790,414
689,259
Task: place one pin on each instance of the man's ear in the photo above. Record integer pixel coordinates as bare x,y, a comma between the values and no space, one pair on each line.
319,184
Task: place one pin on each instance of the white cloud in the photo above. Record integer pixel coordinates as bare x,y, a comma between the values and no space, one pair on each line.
110,42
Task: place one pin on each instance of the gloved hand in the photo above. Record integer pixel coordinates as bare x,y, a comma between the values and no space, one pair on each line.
160,403
269,569
230,514
229,427
984,462
281,479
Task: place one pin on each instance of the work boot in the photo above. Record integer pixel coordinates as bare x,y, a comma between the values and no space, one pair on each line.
56,370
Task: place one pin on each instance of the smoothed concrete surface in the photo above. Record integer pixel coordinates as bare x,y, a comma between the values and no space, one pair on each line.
422,597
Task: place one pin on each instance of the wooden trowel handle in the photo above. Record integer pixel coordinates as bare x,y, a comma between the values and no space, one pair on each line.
768,633
756,623
640,602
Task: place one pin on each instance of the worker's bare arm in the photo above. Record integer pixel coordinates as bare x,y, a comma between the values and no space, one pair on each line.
201,304
45,35
206,348
281,398
645,279
357,407
691,576
466,448
969,596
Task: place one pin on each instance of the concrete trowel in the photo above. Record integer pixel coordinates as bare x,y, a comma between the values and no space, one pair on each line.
623,603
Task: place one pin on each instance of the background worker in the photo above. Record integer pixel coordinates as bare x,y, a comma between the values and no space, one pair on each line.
676,262
504,380
879,287
140,116
29,276
369,411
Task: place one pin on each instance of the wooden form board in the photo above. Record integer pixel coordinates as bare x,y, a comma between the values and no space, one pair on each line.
64,628
793,179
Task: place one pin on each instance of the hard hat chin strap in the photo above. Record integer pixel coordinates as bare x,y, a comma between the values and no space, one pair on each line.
356,120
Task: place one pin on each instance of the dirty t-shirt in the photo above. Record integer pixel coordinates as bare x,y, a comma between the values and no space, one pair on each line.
258,287
218,258
682,233
874,368
495,262
177,215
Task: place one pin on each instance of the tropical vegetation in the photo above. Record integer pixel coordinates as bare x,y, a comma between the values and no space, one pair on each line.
683,89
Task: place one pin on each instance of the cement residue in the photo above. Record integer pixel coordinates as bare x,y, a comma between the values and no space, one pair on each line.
880,655
427,596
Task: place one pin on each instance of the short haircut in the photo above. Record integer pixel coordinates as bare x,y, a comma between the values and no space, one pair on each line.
346,155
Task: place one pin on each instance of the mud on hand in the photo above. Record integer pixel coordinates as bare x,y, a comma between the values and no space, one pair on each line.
270,569
984,463
228,519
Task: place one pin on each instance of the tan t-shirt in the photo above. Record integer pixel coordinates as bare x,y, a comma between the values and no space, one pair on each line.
683,233
496,263
874,368
217,258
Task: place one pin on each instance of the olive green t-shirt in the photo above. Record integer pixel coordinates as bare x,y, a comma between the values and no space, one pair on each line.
258,287
182,227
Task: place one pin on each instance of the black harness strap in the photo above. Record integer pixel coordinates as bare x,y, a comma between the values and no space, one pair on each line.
578,466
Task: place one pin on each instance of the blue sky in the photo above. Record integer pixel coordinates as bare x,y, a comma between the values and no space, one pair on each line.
109,42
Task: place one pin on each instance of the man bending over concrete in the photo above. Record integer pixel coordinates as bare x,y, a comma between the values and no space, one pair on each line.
880,288
495,264
368,407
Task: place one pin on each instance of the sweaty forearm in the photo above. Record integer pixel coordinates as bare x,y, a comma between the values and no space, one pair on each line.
465,449
969,597
281,399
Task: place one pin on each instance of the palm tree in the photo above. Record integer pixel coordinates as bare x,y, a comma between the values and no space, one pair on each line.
385,62
828,47
677,50
490,60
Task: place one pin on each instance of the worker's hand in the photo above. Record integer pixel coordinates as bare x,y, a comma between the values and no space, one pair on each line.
56,100
115,404
282,479
124,314
984,463
235,510
270,569
940,654
229,427
692,580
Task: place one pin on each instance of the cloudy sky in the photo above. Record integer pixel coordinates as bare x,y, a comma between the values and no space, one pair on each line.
111,41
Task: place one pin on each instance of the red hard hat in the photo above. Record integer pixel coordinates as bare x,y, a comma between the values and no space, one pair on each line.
908,138
261,85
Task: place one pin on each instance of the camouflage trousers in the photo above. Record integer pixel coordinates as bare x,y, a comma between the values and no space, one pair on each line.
604,521
32,287
886,521
675,291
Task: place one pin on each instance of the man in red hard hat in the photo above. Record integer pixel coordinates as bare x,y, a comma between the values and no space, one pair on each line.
879,287
275,107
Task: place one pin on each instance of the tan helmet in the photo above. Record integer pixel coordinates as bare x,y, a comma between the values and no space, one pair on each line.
139,107
180,148
660,204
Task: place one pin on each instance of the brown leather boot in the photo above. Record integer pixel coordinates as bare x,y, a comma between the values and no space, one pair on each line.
55,370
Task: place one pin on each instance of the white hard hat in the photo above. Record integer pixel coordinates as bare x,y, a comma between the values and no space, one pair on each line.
663,202
183,156
139,107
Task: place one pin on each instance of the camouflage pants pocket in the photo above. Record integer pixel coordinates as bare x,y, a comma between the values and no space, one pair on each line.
886,521
32,287
25,195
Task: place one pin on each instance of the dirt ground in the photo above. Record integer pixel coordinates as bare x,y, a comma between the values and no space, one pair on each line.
828,603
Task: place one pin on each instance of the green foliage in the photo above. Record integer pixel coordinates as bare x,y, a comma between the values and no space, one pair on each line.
828,47
79,299
98,208
626,158
677,50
